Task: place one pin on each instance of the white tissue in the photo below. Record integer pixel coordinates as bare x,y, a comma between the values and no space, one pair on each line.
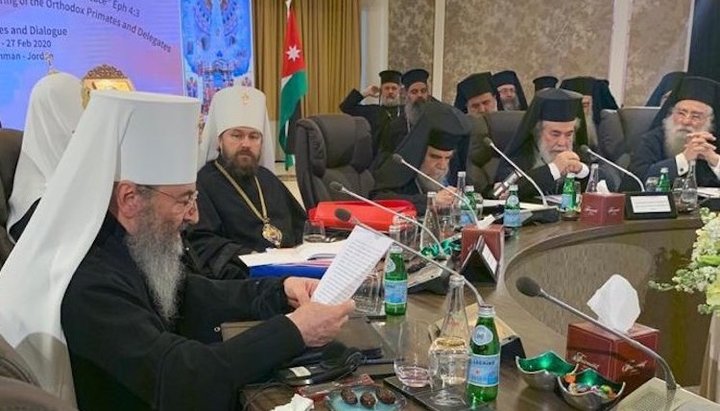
616,303
297,403
486,222
602,187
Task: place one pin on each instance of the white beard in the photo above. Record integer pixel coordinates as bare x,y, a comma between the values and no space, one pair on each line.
156,248
545,155
675,135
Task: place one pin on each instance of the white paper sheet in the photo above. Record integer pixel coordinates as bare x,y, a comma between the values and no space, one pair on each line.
524,206
650,204
362,251
303,252
711,192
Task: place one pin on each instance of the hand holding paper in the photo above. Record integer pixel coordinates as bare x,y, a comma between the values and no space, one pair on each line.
360,254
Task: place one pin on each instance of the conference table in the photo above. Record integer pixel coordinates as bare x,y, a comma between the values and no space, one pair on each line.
571,260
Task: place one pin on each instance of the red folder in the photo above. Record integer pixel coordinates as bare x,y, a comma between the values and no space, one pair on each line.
375,217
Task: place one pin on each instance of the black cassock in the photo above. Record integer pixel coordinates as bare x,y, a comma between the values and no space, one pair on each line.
377,116
227,226
125,356
649,157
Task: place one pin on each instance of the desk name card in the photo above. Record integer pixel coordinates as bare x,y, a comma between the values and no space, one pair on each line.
639,206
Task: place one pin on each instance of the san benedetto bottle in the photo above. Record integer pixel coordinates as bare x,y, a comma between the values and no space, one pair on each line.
395,280
484,371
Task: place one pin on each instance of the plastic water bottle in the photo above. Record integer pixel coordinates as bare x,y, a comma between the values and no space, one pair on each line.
511,216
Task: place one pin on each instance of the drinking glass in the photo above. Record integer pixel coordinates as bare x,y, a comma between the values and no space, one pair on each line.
578,195
677,189
411,353
408,234
369,297
447,226
314,231
651,184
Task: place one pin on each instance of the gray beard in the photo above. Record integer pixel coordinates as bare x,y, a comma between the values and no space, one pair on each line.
413,110
156,249
427,185
388,102
511,105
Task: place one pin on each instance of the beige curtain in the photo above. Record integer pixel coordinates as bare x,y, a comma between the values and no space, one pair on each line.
330,31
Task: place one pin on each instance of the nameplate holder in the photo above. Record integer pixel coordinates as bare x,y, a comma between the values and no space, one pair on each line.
649,206
480,264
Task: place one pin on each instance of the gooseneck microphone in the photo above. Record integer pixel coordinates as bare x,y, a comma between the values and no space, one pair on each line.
400,160
505,185
585,149
344,215
492,145
532,289
341,189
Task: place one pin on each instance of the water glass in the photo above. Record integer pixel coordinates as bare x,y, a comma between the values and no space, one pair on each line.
677,189
411,353
408,234
447,226
578,195
651,184
314,231
369,297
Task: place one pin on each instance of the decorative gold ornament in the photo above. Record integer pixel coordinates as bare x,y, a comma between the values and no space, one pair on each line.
104,77
272,234
269,231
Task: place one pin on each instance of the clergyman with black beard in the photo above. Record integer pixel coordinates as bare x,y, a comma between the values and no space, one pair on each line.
417,92
683,133
243,206
140,331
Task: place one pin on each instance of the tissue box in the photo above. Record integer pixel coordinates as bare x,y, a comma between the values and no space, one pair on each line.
614,358
602,208
494,238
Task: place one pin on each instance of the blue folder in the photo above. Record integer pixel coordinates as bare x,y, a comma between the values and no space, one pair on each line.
281,270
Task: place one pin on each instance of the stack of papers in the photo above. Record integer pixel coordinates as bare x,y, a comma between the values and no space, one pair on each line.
710,192
302,253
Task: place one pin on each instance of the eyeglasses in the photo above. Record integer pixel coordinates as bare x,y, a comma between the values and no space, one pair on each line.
693,116
187,201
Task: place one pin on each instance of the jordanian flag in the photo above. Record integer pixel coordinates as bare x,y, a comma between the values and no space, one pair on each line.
293,85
